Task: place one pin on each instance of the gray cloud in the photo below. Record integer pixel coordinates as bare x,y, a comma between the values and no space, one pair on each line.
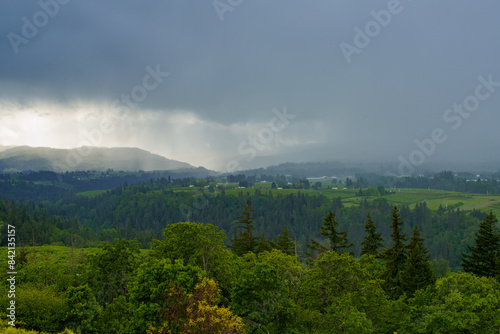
230,75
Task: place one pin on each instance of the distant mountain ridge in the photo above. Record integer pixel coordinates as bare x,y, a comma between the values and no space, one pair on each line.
350,168
24,158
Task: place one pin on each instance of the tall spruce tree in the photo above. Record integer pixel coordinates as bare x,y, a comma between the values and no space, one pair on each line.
373,241
395,257
417,273
284,242
263,244
498,266
316,249
244,241
338,240
483,258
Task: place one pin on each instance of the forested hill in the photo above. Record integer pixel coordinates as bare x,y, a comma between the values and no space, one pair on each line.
221,257
23,158
51,186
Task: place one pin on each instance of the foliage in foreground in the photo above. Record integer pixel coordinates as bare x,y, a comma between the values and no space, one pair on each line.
191,283
460,303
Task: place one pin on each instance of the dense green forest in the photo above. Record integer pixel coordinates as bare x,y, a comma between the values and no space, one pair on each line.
235,255
142,211
191,282
50,186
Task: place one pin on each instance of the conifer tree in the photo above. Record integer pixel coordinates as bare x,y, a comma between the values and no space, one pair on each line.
417,273
316,249
373,240
483,258
284,242
498,266
395,257
338,240
263,244
244,241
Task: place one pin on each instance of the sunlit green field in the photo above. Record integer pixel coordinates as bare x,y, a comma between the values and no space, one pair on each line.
407,196
92,193
51,254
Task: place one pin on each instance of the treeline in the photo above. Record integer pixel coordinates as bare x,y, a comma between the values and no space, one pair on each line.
50,186
36,227
445,180
191,282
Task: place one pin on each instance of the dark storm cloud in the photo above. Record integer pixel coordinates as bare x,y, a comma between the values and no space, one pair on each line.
230,74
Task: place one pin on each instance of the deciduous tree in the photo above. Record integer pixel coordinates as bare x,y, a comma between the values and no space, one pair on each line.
110,270
260,297
459,303
197,313
154,278
196,244
342,297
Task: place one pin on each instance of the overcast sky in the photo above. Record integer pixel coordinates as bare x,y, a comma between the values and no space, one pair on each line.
252,82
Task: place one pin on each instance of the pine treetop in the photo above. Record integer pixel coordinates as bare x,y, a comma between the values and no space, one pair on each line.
316,249
244,241
373,241
338,240
395,257
417,273
483,258
284,242
263,244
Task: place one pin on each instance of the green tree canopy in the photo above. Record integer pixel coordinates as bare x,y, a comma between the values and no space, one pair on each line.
260,297
84,310
290,270
482,259
200,245
111,269
459,303
341,296
195,243
154,278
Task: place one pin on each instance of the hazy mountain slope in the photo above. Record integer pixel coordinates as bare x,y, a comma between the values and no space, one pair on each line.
85,158
3,148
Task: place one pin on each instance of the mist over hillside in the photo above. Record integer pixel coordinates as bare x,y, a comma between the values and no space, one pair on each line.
84,158
341,168
23,158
